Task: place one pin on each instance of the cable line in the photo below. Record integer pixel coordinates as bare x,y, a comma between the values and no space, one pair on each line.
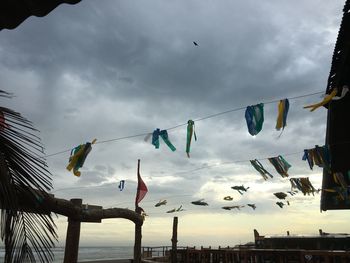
183,124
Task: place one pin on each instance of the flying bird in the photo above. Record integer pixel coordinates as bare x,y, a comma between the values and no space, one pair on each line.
180,209
171,211
280,204
199,202
240,188
280,195
233,207
252,206
176,210
195,43
161,202
228,198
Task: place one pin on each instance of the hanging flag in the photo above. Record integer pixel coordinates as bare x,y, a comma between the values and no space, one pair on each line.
309,158
141,187
121,185
303,184
340,180
155,138
260,168
78,156
344,91
190,131
341,188
283,108
281,165
326,100
317,156
254,116
164,135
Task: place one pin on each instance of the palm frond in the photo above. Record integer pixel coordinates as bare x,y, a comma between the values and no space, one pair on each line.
24,179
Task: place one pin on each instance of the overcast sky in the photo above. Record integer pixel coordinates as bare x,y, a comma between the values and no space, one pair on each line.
110,69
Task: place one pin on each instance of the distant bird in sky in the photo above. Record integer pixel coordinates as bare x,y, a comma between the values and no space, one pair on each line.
161,202
195,43
176,210
233,207
280,204
228,198
252,206
280,195
240,188
200,202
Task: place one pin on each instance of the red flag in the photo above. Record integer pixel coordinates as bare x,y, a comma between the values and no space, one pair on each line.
141,187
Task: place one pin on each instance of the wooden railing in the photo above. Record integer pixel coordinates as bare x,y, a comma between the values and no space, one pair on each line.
189,255
161,251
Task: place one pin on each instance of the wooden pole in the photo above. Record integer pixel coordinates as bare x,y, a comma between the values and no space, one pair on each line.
138,228
174,241
73,236
137,246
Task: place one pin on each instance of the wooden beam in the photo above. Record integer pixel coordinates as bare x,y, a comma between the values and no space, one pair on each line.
96,214
51,204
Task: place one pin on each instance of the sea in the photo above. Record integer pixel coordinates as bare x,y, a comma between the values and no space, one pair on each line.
90,253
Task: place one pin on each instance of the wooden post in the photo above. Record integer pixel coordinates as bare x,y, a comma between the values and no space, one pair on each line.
72,238
137,245
138,228
174,241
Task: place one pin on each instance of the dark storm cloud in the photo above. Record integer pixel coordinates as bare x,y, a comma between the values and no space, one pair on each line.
114,69
107,44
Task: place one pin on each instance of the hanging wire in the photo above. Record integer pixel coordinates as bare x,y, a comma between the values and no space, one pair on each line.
181,172
183,124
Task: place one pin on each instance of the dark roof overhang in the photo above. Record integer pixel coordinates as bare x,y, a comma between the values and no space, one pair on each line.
14,12
338,124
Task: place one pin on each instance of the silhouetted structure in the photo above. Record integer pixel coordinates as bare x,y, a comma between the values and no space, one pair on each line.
338,135
324,241
14,12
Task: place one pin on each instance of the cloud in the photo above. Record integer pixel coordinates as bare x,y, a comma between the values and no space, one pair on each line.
119,69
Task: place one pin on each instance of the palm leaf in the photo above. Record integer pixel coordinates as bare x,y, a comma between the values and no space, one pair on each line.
24,179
